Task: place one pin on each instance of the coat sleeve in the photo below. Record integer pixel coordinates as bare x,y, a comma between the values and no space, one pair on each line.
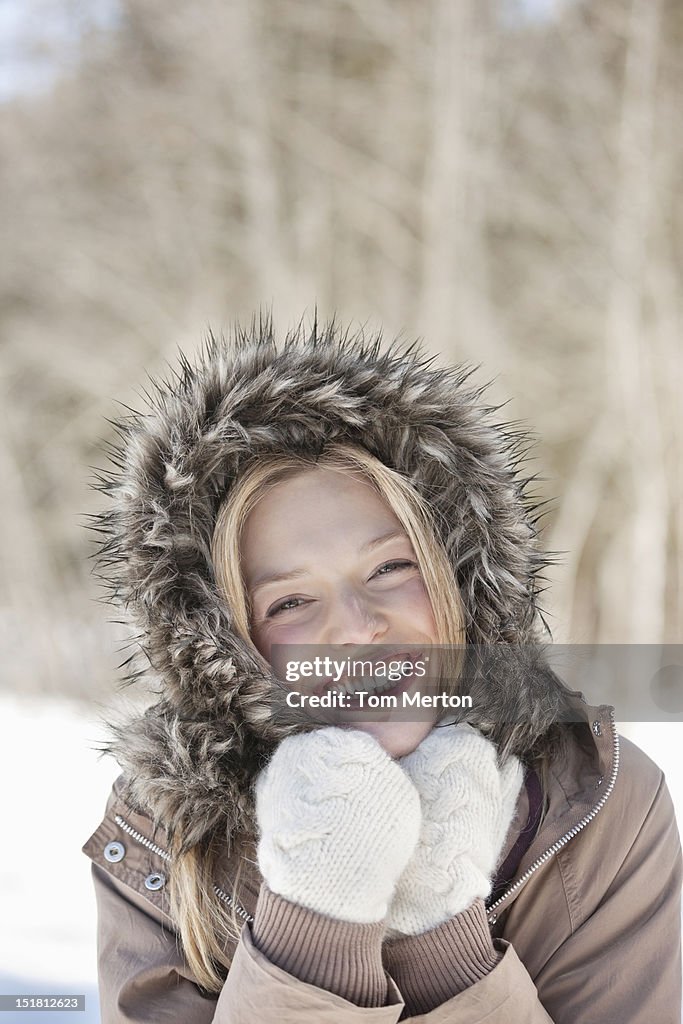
144,978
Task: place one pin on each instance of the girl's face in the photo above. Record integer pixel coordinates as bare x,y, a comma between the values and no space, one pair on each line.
325,561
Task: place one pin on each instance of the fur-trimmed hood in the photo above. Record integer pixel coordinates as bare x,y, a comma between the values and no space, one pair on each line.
191,758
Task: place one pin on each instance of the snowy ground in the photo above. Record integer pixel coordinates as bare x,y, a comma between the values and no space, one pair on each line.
53,794
54,790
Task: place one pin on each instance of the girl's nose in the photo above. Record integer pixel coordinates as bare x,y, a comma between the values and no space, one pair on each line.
357,619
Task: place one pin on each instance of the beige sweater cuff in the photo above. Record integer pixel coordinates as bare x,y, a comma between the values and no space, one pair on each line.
338,956
431,968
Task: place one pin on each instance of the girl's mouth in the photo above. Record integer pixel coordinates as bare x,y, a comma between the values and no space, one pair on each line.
402,674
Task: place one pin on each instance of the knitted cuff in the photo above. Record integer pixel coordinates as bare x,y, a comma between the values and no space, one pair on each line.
459,953
338,956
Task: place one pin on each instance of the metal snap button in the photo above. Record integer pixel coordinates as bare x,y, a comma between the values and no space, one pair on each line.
155,881
114,852
597,728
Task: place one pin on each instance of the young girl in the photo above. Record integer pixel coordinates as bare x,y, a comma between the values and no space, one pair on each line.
516,861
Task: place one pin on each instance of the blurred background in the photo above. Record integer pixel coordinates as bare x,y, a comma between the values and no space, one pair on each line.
498,177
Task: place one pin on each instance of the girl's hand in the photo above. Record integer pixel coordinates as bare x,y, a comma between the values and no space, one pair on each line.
467,806
338,821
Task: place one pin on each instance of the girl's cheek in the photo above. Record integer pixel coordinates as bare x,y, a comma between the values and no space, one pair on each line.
412,594
302,631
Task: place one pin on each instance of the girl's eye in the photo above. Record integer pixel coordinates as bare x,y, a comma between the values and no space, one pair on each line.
400,564
284,606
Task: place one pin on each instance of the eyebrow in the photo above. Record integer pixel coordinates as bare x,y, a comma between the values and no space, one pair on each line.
292,574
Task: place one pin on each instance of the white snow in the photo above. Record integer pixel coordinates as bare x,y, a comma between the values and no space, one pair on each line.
53,794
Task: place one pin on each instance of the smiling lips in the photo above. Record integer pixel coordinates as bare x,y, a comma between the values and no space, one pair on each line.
329,685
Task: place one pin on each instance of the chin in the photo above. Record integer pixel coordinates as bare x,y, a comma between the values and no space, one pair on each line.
397,738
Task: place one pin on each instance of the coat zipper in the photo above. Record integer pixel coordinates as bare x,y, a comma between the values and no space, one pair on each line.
144,841
232,903
563,840
139,838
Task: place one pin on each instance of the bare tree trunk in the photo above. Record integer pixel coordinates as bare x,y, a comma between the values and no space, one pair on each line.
635,560
626,438
268,258
455,311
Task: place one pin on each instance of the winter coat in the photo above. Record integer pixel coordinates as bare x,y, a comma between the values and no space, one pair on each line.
589,928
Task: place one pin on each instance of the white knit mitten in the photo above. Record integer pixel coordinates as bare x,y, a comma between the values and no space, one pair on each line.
467,806
338,822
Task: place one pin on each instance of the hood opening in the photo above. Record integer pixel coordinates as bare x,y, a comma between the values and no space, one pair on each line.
190,759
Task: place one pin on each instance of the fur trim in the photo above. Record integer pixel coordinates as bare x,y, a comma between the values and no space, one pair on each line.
191,758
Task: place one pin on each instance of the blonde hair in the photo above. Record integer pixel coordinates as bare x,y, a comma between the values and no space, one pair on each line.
203,920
